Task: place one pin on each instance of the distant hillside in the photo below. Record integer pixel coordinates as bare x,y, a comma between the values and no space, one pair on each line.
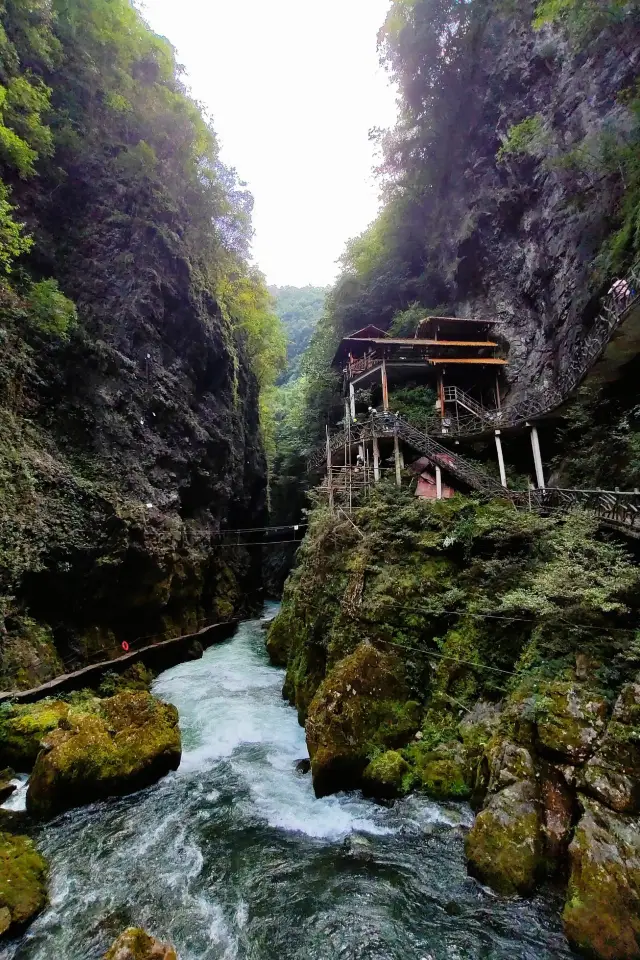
299,308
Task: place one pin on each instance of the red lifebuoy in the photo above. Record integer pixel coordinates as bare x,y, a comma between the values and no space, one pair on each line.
125,646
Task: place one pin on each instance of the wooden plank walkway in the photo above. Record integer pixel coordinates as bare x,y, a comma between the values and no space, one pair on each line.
156,656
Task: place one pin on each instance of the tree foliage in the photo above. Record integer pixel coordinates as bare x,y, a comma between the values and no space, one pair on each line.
129,199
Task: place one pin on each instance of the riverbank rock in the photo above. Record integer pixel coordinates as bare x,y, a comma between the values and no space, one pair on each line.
361,707
602,912
278,642
6,785
504,847
23,727
384,777
23,882
612,775
119,745
135,944
569,721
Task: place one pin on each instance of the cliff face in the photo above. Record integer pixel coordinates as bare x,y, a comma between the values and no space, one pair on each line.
521,236
121,457
463,650
484,216
129,413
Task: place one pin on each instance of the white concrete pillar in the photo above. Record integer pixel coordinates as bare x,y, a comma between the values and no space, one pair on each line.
347,412
396,454
438,483
352,400
376,459
537,458
503,472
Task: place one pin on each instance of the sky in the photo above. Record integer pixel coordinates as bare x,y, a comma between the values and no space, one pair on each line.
293,87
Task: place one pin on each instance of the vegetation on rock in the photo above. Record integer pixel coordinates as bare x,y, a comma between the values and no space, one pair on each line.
137,343
508,644
102,748
23,882
136,944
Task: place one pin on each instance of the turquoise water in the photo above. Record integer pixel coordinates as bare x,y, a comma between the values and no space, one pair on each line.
233,857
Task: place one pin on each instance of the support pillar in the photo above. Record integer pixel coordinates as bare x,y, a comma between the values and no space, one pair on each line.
347,412
352,401
396,455
385,388
376,459
438,483
537,458
329,472
503,472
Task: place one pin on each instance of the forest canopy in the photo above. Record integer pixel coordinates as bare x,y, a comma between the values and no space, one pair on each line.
103,150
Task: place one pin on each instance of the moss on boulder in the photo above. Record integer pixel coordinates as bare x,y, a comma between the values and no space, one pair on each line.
112,747
504,847
612,775
570,719
602,913
386,776
362,705
23,882
23,727
279,638
442,772
135,944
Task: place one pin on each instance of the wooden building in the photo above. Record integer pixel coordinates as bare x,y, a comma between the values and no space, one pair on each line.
461,359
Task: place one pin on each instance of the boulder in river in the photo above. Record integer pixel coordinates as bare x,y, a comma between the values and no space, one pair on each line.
362,706
602,912
23,882
23,728
504,847
7,787
135,944
384,777
117,746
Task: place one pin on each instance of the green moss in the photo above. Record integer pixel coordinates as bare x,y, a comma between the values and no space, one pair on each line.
123,744
23,728
504,847
137,677
360,709
386,776
23,882
136,944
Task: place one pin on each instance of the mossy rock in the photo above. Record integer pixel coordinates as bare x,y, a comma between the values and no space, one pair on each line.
385,778
602,913
504,847
279,638
23,882
23,727
361,707
137,677
129,742
612,775
443,773
569,721
136,944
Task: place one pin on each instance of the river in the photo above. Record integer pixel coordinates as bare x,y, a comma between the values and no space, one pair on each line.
233,857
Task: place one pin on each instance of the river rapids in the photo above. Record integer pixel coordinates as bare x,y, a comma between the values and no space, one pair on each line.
233,857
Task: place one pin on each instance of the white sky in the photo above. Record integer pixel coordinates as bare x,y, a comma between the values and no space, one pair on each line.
293,87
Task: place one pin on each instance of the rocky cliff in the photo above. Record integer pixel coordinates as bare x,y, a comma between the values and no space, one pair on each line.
475,653
129,405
